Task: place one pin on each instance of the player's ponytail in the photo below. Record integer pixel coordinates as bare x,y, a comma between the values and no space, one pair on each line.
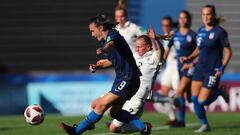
217,19
102,20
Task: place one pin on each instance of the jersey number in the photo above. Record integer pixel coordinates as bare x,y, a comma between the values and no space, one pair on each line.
121,86
212,81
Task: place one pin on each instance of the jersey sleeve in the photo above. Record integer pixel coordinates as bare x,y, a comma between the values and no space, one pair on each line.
140,30
156,57
113,37
223,37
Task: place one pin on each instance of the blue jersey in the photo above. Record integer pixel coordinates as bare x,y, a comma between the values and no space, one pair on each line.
121,57
211,44
184,44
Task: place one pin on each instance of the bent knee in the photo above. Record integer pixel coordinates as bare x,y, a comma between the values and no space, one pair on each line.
113,128
100,108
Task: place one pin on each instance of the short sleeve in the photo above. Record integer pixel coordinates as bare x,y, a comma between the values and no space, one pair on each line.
113,37
223,37
140,31
156,57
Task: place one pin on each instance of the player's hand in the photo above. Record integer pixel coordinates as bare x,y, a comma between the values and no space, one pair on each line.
169,35
183,59
220,71
99,51
92,68
151,33
218,74
185,67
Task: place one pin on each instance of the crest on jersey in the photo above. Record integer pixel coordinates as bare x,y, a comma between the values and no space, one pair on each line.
189,38
108,39
211,35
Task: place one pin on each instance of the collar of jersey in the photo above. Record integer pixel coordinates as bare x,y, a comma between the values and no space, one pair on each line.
127,24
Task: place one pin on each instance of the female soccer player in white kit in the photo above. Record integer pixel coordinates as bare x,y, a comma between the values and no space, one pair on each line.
169,77
129,30
148,56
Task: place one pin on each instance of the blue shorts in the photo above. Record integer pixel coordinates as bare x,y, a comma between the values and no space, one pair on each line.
187,73
125,88
207,77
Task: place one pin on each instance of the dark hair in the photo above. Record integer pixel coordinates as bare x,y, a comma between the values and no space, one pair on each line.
216,20
146,39
189,17
125,12
169,19
102,20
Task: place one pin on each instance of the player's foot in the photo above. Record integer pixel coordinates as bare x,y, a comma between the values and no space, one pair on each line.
68,129
203,128
171,122
178,125
147,130
89,128
224,93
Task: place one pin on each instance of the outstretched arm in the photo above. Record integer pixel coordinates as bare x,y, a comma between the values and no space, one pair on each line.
156,44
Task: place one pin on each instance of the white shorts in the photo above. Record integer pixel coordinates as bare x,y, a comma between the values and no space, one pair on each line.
170,77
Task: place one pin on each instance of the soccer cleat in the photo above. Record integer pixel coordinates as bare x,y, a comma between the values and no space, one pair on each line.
171,122
68,129
203,128
178,125
147,130
224,93
91,127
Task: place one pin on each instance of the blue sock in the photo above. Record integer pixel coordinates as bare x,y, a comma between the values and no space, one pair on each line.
181,112
214,95
199,110
126,117
87,122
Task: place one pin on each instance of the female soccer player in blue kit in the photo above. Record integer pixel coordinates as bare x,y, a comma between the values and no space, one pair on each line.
126,83
212,43
184,41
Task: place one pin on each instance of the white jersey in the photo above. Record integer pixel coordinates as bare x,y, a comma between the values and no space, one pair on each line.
148,66
171,61
130,31
170,75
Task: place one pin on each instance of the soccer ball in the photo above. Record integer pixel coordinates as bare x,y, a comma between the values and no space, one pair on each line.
34,114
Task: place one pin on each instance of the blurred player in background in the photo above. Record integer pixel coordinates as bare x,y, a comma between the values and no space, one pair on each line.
169,76
214,53
148,55
126,83
184,41
130,31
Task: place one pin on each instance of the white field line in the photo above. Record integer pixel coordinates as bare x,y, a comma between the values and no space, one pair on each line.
154,128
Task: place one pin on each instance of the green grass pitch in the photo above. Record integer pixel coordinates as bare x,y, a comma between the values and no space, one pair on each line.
221,124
